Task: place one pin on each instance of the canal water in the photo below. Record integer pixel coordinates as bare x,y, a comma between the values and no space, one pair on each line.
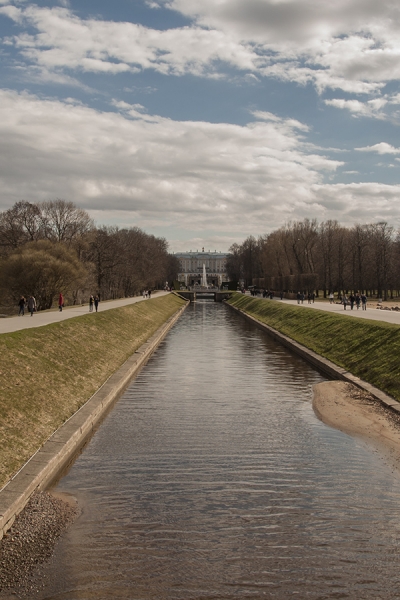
213,479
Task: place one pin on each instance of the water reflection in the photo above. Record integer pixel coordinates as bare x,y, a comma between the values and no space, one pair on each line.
212,478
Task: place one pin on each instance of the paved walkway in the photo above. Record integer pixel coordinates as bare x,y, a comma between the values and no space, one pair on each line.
41,319
54,316
372,313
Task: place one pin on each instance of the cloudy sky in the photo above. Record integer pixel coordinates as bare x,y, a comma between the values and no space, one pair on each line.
203,121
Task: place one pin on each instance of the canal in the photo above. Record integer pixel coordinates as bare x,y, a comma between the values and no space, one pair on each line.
213,479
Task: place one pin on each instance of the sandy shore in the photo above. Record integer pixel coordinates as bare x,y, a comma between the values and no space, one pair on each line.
351,410
31,541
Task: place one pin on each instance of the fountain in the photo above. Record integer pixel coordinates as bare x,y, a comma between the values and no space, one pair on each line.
204,277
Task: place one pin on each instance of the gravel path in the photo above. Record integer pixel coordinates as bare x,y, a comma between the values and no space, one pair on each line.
31,541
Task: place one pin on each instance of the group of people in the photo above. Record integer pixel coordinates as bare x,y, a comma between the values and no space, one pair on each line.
256,292
30,304
268,294
355,299
94,302
301,296
146,293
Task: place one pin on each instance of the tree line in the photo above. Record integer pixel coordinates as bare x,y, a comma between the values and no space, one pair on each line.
307,256
54,246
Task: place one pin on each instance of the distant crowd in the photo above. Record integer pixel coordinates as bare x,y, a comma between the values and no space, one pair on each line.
29,304
355,299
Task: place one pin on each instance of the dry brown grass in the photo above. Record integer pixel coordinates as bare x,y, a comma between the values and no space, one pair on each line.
47,373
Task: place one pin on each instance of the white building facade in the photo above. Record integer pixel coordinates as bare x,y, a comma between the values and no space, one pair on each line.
191,268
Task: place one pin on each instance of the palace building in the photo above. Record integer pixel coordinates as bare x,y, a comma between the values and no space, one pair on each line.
191,268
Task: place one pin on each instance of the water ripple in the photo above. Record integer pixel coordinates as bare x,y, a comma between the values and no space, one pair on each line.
212,478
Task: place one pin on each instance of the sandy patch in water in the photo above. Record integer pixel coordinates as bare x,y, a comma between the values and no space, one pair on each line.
355,412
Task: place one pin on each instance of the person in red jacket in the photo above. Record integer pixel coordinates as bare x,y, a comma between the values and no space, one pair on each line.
60,302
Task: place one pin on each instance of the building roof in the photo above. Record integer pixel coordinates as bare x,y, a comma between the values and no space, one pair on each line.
201,254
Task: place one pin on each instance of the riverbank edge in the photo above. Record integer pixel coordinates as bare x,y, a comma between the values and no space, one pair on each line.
46,465
323,365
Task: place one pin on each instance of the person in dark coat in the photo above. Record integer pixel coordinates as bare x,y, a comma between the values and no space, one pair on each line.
21,305
96,302
363,302
60,302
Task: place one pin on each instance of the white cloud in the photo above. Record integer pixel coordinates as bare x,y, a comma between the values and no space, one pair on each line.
295,25
158,172
370,108
394,99
381,148
267,116
10,11
132,168
362,202
65,41
352,45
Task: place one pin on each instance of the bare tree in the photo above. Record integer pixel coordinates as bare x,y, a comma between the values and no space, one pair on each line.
19,225
234,263
126,261
63,221
106,255
304,238
382,247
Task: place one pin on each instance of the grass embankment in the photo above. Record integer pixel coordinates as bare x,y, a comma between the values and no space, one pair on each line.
368,349
47,373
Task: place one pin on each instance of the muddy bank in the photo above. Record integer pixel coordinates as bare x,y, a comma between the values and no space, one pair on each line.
355,412
31,541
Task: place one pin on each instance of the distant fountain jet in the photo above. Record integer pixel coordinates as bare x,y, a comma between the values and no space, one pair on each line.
204,277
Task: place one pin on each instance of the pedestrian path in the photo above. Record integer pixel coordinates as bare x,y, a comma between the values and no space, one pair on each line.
40,319
372,313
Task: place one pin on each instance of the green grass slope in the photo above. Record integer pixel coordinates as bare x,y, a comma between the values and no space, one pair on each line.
47,373
368,349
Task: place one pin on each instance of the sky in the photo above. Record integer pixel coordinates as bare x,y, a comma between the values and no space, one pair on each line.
206,121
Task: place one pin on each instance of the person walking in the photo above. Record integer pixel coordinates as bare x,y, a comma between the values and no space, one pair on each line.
21,305
331,298
60,302
363,302
352,300
149,294
31,305
344,301
91,302
96,302
358,300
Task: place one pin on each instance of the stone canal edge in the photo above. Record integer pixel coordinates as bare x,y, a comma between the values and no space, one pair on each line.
322,364
44,467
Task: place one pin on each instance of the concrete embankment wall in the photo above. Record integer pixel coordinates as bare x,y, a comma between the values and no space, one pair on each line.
324,365
60,449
